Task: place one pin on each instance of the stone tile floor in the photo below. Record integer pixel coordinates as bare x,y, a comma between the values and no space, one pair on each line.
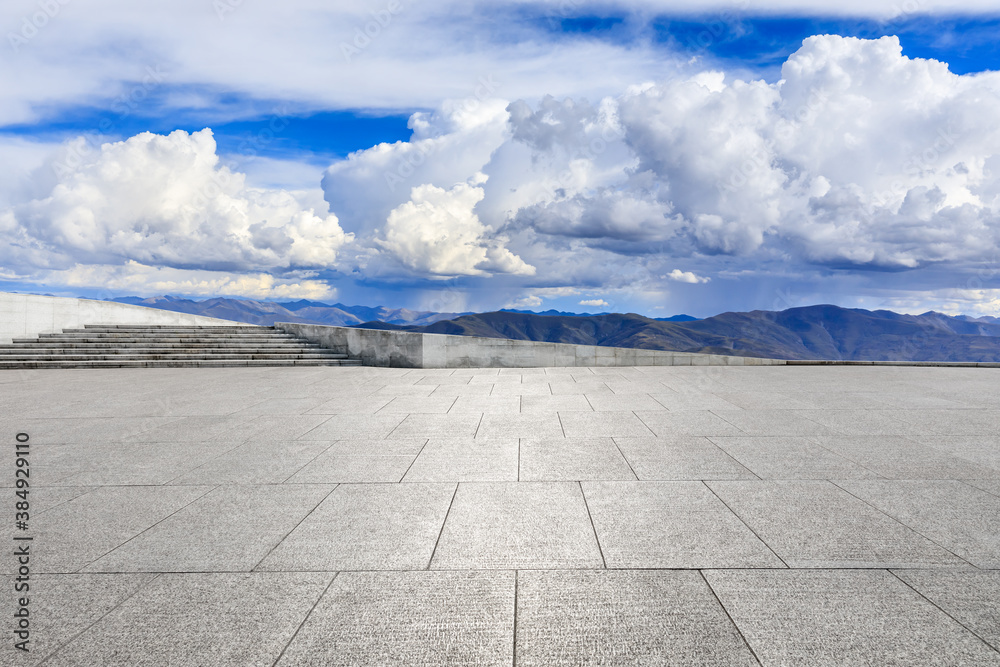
605,516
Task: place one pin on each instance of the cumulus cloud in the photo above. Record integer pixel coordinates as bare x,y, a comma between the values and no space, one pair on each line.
133,276
859,157
437,232
686,277
597,303
164,202
858,161
529,301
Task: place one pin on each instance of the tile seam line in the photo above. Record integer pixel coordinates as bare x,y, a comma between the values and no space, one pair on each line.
217,456
910,528
627,462
739,631
102,617
422,447
731,456
590,516
154,525
892,571
819,444
514,652
305,619
749,527
307,463
292,529
444,521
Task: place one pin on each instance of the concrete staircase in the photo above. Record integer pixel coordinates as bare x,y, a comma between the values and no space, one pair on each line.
141,346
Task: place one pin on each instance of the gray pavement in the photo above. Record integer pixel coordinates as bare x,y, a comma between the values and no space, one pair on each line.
609,516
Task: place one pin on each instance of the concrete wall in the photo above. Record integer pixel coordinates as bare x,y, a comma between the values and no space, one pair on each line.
403,349
26,315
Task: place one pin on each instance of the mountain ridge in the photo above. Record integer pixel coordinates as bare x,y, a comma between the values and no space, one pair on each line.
823,331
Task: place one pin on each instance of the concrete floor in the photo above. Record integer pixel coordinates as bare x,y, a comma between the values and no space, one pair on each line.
621,516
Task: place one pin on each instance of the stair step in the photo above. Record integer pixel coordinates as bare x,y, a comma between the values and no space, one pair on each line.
132,356
177,364
179,349
140,346
143,329
157,345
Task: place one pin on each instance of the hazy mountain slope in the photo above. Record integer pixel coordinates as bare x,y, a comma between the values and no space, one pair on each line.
814,332
268,312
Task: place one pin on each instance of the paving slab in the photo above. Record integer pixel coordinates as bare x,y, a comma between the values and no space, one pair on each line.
680,458
351,404
960,518
466,460
602,424
981,450
409,618
486,404
241,619
578,387
861,422
74,534
971,598
623,618
779,457
138,464
511,525
521,389
255,462
367,527
685,422
520,426
62,606
440,426
385,447
354,426
335,468
677,401
773,422
847,617
418,405
230,529
571,459
988,485
623,402
670,525
556,403
817,524
903,458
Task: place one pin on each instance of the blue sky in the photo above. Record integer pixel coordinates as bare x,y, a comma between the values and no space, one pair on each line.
536,155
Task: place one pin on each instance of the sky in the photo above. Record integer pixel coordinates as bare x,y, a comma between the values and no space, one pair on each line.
623,156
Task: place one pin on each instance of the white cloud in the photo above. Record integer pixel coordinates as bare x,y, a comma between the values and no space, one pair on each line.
597,303
424,53
160,201
524,302
686,277
858,157
133,277
437,232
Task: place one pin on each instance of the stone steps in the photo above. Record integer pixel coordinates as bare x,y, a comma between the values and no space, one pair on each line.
133,346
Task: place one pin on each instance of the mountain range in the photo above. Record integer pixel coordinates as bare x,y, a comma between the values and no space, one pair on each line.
812,332
267,313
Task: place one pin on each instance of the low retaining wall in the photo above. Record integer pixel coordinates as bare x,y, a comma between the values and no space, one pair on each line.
27,315
404,349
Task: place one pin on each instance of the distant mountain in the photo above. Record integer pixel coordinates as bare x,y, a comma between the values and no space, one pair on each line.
676,318
306,312
559,313
814,332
